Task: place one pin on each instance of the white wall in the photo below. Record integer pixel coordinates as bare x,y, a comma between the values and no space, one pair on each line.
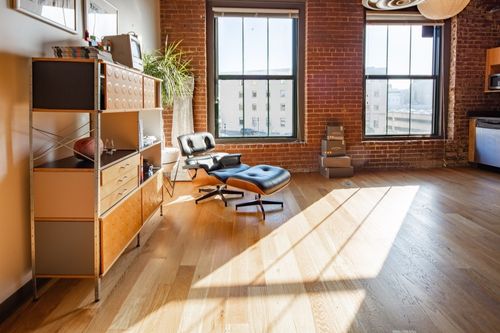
24,37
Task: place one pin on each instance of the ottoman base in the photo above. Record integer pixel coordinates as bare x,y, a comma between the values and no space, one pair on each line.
259,202
261,180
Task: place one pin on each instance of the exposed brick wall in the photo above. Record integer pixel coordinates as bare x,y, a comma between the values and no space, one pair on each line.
473,31
334,85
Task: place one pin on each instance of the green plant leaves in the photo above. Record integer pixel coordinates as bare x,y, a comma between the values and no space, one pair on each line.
172,66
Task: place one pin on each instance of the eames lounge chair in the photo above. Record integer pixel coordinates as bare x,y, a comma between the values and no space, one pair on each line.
209,168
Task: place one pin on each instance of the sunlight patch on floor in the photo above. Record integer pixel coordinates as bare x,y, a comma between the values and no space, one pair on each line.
314,260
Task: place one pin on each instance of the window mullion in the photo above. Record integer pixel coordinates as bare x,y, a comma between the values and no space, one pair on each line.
411,84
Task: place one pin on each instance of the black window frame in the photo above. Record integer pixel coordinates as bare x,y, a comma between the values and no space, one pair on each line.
298,74
438,76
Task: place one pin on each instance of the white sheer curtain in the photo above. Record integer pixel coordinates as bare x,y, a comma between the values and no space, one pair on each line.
182,122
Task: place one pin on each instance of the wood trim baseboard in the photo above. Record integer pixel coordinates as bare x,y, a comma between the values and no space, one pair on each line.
18,298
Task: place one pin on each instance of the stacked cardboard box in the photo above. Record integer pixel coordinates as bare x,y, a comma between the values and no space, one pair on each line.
333,161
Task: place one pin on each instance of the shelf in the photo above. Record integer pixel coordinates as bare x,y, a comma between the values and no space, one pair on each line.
150,146
155,172
63,110
75,163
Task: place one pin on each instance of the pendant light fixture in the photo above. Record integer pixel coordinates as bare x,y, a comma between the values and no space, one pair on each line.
442,9
390,4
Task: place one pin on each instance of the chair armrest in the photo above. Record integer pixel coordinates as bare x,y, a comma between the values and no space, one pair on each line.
230,160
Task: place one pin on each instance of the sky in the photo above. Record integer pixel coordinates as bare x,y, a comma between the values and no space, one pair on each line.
395,42
255,40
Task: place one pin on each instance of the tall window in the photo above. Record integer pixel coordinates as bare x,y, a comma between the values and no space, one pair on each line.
402,80
255,64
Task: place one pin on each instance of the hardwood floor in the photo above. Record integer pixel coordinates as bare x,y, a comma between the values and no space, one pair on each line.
392,251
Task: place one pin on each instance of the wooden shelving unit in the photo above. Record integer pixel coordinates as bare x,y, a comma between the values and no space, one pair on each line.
85,213
492,67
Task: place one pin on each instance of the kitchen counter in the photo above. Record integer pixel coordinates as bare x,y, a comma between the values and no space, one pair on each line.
483,114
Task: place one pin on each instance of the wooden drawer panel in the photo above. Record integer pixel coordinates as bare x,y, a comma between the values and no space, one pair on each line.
116,183
63,195
152,196
119,193
149,93
120,169
123,89
118,227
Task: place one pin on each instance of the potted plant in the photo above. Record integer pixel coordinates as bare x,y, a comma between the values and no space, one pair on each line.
170,65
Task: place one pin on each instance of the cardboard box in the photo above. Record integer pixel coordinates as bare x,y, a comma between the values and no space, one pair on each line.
333,148
334,162
337,172
335,132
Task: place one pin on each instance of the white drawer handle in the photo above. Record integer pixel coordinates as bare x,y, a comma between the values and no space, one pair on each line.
124,191
124,166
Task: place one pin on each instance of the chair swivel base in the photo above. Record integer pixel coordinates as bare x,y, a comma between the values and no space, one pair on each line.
220,190
259,202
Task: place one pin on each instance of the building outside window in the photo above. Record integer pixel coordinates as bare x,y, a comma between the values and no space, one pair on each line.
402,80
256,66
283,122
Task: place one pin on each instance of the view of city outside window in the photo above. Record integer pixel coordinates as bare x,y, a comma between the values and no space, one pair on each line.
401,80
255,76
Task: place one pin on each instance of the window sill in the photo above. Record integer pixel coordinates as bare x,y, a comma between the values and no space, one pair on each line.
237,141
368,139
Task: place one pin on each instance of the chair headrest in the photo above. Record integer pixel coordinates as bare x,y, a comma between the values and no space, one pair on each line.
196,143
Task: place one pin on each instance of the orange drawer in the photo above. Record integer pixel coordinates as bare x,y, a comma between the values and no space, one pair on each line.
120,193
120,169
119,181
118,227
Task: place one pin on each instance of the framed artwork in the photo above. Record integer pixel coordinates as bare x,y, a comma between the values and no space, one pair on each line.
59,13
100,18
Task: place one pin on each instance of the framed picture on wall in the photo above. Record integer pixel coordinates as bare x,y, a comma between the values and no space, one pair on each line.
100,18
59,13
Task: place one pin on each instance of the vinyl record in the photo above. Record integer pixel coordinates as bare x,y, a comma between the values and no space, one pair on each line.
390,4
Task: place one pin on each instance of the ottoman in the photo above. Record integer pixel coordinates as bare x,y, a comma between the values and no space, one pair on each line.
261,180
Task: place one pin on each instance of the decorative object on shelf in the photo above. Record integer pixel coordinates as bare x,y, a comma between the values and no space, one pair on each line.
442,9
148,140
109,147
170,65
390,4
126,49
100,19
59,13
81,52
147,169
85,148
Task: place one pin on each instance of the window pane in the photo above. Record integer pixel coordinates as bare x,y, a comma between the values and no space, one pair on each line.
398,107
255,48
422,92
281,107
280,46
230,48
255,108
376,107
398,62
421,52
376,50
230,108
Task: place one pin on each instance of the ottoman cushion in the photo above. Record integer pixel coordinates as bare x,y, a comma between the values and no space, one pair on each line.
262,179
